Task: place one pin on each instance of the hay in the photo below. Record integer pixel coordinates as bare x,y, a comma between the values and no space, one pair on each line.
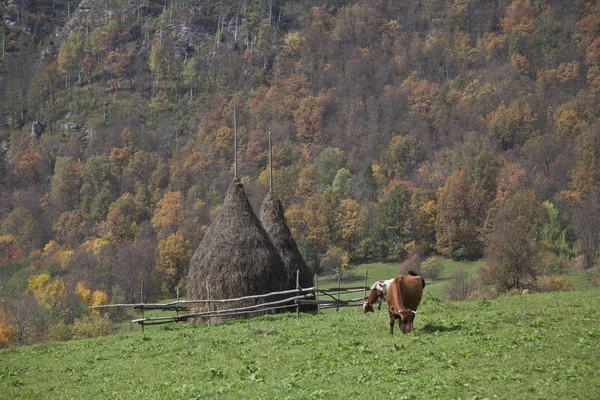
236,257
274,222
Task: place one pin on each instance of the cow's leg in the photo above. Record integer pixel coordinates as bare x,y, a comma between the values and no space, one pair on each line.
379,306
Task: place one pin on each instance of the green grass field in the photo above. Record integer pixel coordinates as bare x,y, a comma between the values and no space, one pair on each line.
378,271
542,346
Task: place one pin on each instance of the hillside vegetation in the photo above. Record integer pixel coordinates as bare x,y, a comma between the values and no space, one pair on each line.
525,347
465,129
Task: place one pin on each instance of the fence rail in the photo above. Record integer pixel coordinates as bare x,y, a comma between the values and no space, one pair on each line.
298,297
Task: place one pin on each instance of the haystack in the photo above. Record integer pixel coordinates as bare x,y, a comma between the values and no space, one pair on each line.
235,258
273,219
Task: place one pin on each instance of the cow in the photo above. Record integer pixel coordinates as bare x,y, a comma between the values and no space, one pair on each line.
378,292
526,291
403,298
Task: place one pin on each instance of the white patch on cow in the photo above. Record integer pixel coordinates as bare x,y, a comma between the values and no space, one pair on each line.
382,285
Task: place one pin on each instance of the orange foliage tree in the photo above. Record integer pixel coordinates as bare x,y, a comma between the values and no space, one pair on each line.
169,212
7,331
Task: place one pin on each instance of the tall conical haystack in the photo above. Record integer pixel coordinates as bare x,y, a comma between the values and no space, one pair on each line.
273,219
236,257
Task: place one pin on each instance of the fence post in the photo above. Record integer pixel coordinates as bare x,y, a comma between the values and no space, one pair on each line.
365,291
317,294
297,288
208,298
177,309
142,303
337,304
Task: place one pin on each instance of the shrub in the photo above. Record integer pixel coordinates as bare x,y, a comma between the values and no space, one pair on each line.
59,332
460,285
432,268
549,263
593,275
7,331
90,326
553,283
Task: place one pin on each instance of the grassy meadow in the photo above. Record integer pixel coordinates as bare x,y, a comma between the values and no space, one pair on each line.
541,346
379,271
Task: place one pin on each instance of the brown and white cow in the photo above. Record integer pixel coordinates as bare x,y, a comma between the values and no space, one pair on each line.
378,291
403,298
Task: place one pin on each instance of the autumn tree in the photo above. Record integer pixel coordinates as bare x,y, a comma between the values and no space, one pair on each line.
64,191
7,331
519,17
26,164
174,255
329,163
122,218
343,184
403,154
69,56
512,249
512,178
512,125
50,294
97,189
309,118
586,224
90,297
24,228
350,224
461,210
423,211
390,225
135,268
8,249
169,213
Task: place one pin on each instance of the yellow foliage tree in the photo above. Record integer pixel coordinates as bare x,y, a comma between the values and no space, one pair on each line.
351,223
84,294
174,255
87,297
97,245
50,294
98,298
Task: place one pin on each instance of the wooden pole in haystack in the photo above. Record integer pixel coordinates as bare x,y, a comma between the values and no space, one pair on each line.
235,172
365,291
270,165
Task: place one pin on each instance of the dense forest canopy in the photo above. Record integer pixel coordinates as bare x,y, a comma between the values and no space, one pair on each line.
463,128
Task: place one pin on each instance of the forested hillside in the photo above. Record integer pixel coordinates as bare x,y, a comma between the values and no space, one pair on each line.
463,128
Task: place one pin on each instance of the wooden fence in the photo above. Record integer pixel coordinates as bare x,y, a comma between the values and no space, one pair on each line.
323,298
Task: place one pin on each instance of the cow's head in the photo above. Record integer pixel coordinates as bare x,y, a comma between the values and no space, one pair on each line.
367,307
407,316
